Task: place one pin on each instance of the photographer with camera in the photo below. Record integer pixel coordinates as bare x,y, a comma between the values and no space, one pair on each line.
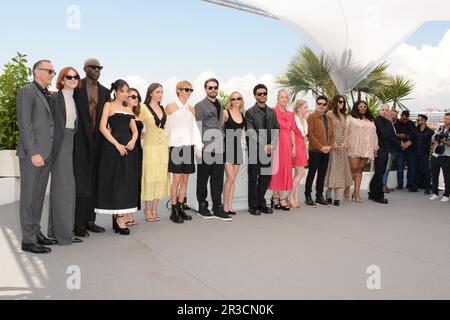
441,159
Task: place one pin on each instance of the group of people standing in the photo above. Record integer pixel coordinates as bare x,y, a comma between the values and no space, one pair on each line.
89,138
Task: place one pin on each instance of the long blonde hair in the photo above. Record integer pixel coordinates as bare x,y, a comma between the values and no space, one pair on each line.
298,104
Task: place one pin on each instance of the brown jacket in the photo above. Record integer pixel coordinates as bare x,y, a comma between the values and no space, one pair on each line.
316,132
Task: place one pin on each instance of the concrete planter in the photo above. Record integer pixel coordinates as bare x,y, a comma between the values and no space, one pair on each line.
9,164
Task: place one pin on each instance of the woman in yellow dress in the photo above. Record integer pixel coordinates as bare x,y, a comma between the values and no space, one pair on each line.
155,175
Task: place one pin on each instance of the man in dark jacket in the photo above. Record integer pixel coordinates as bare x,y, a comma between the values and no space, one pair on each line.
262,135
386,137
406,132
89,99
422,153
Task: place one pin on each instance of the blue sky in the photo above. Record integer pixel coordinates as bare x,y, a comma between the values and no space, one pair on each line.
158,39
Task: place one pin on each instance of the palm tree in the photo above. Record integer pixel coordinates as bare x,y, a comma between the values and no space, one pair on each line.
372,84
308,73
396,91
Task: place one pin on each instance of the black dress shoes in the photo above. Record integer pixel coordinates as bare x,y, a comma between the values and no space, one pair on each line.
381,200
309,202
265,209
35,248
254,212
44,241
322,202
80,232
92,227
76,240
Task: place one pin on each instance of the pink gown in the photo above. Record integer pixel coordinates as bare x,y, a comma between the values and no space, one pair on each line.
282,155
301,152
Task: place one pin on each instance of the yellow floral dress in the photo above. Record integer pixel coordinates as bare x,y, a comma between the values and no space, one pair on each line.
155,175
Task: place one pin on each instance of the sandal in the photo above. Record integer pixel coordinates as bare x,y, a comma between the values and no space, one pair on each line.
131,223
155,216
148,216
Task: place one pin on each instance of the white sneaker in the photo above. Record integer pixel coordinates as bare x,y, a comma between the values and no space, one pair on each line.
433,197
445,199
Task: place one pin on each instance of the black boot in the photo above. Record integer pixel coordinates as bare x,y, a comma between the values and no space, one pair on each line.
309,201
181,212
174,216
203,211
185,206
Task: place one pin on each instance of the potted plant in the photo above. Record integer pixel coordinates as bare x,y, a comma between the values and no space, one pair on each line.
15,75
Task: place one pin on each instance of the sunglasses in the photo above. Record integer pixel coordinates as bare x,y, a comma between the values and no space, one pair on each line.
235,99
50,71
322,104
259,94
72,77
134,97
362,106
341,101
96,67
189,90
213,88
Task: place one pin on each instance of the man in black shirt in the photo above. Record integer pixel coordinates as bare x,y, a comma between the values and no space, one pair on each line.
406,132
386,138
422,153
262,136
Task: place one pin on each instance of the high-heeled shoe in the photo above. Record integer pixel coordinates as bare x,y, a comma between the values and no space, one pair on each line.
336,203
347,196
155,216
357,200
148,216
274,205
118,229
286,207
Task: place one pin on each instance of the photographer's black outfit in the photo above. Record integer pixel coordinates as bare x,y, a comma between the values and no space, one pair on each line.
441,160
422,158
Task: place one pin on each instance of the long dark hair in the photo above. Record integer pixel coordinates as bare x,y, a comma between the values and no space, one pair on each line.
356,114
136,109
117,85
335,107
148,96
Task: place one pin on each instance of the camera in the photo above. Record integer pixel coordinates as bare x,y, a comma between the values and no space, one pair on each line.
441,136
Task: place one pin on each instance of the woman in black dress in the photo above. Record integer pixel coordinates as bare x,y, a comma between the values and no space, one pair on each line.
134,102
118,176
234,125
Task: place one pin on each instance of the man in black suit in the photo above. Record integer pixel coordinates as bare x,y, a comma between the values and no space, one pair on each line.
262,136
386,136
89,100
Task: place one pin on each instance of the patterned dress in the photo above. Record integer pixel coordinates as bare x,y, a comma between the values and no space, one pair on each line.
338,174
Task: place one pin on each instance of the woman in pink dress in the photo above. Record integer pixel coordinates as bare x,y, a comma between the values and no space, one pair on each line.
362,143
283,154
301,156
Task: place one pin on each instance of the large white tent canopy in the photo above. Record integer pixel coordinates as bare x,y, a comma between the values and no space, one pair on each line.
354,35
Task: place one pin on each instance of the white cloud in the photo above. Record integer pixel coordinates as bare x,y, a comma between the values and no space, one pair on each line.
429,68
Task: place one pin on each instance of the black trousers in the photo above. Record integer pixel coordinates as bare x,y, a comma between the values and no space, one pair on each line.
318,163
84,211
438,163
259,176
423,177
376,184
213,172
